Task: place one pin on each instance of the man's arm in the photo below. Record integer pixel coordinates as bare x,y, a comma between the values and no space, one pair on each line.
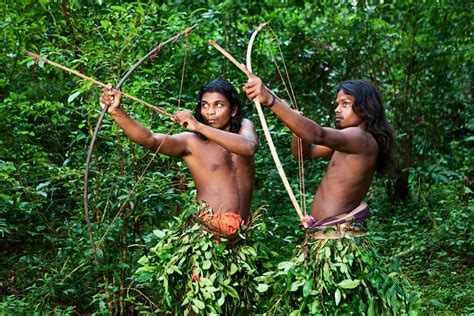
309,151
349,140
170,145
306,150
244,143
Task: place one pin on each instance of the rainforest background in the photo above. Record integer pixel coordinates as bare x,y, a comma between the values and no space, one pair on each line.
419,53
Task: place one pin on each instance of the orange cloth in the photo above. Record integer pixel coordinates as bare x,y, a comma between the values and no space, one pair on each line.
229,223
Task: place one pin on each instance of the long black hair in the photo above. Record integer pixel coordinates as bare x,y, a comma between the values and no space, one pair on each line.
368,105
230,93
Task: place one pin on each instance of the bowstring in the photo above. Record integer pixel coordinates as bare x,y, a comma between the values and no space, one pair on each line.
183,70
133,188
291,94
293,104
155,153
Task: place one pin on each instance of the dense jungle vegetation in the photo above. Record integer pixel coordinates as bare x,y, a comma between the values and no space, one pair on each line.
419,53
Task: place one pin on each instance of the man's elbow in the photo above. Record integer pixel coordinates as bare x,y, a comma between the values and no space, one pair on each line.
295,153
148,142
251,149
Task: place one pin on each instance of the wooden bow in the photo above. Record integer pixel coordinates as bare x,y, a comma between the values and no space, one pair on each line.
266,131
152,54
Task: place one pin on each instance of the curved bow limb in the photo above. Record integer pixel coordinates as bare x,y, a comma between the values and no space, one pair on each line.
152,53
266,131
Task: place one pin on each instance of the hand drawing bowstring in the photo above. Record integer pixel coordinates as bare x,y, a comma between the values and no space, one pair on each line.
151,54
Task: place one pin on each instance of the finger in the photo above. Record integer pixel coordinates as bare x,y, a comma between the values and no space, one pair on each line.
103,98
248,89
109,87
248,86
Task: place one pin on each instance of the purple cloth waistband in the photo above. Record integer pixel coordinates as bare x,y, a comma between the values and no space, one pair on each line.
358,217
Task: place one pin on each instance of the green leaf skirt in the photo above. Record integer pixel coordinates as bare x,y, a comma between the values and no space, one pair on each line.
335,277
190,269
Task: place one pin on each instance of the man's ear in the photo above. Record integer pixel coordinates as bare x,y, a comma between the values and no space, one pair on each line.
234,111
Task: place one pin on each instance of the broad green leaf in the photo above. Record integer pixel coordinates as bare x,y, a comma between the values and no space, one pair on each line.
199,304
296,285
42,185
73,96
262,287
221,300
159,233
349,284
206,265
337,297
307,288
233,268
286,265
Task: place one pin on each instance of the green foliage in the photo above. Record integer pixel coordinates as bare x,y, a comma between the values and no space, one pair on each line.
430,235
338,277
418,53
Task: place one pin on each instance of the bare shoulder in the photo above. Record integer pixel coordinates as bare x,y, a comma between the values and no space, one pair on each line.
356,132
247,122
365,138
247,128
351,140
190,138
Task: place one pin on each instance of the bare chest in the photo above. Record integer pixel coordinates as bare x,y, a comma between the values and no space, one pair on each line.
211,157
347,166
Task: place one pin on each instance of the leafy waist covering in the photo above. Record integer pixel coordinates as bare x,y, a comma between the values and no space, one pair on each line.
193,267
336,270
340,276
227,266
351,224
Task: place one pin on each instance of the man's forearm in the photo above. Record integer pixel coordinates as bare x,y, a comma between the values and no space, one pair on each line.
304,128
235,143
134,130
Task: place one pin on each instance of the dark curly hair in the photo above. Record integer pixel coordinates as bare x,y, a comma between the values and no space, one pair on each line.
368,105
230,93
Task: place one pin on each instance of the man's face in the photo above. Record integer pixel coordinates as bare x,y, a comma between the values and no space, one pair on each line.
216,111
345,116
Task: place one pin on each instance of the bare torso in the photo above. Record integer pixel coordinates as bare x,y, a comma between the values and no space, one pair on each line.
224,180
222,165
347,181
